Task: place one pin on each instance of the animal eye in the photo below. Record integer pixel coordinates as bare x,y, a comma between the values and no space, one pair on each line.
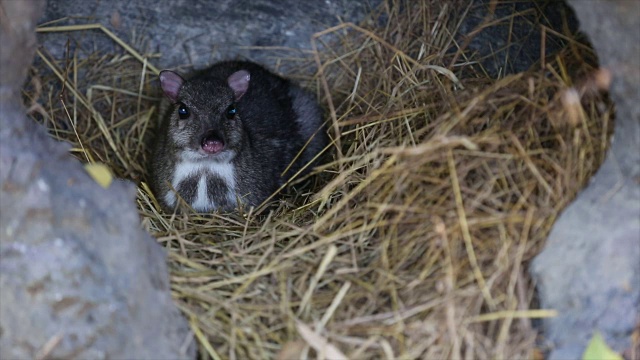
231,111
183,111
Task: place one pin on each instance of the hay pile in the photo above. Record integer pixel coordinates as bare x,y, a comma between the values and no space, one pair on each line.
413,242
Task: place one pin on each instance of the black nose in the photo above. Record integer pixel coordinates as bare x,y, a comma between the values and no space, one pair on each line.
212,142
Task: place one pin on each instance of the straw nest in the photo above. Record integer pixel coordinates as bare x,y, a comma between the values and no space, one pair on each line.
413,242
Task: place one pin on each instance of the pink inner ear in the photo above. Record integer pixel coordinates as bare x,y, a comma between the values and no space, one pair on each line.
171,83
239,83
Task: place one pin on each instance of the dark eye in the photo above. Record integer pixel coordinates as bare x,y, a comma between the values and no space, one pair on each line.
231,111
183,111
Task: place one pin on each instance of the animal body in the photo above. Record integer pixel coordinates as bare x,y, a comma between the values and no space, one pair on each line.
231,134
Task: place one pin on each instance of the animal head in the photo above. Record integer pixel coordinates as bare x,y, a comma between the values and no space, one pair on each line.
204,122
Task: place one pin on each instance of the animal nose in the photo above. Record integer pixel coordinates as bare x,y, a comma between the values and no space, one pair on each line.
212,142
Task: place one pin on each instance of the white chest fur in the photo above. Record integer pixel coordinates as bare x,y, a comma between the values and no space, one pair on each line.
202,201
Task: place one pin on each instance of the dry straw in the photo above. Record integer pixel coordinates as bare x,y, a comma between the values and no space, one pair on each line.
413,242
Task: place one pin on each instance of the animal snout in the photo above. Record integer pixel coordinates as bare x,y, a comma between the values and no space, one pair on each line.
212,142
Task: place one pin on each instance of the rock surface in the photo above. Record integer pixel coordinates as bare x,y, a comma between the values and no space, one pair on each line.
590,268
202,32
78,276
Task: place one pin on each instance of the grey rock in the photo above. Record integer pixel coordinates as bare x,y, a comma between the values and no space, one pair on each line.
590,268
79,278
198,32
18,43
76,270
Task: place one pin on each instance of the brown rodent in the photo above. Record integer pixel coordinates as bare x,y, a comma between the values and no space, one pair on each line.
229,134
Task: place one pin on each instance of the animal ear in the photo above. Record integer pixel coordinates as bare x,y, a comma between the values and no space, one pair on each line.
239,83
171,83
